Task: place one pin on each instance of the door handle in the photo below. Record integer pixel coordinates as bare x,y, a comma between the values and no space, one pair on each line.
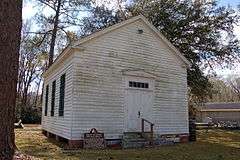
139,114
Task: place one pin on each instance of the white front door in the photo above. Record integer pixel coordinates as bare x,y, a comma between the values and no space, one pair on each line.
139,102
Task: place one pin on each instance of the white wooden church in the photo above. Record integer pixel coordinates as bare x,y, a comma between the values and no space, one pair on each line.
114,80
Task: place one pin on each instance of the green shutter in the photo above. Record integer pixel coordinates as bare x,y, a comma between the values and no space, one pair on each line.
62,92
53,97
46,100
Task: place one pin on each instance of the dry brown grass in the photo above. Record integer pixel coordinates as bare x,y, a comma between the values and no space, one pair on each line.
214,145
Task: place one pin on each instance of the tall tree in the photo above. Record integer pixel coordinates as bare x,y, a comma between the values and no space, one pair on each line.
100,17
196,28
235,85
31,66
222,91
10,28
32,63
64,14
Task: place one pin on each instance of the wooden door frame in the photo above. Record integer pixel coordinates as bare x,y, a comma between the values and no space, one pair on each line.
144,78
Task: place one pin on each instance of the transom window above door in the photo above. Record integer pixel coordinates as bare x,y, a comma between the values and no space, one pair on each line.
134,84
139,80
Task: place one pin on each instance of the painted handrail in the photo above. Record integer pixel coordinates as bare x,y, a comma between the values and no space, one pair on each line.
151,130
151,124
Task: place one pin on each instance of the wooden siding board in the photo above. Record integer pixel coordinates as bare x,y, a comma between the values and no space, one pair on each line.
95,92
60,125
99,88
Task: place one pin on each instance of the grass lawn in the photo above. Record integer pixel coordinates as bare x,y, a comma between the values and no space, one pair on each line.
214,145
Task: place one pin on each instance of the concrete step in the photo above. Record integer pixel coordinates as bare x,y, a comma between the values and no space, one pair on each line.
135,144
129,135
134,140
148,135
163,141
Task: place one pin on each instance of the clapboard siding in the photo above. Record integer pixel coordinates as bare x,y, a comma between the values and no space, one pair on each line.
59,125
98,83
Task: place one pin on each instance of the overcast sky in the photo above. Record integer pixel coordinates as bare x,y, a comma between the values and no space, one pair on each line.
29,11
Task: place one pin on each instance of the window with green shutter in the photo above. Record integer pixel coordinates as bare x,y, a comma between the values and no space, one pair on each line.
53,97
46,100
62,94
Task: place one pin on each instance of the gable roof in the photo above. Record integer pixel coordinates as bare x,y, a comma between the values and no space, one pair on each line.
221,107
112,28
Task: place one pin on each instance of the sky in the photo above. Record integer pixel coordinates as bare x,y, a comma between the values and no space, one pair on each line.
229,2
235,70
224,73
29,10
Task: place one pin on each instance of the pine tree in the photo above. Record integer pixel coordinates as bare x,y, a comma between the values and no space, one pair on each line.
10,28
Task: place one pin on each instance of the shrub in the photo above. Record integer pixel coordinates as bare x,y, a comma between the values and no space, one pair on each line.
28,114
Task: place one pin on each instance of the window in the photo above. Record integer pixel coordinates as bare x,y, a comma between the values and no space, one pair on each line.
46,100
53,97
134,84
62,92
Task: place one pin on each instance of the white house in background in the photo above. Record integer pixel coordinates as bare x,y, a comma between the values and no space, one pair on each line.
113,79
219,112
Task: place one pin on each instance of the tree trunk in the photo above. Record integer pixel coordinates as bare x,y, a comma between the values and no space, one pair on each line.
27,84
10,28
54,34
36,98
